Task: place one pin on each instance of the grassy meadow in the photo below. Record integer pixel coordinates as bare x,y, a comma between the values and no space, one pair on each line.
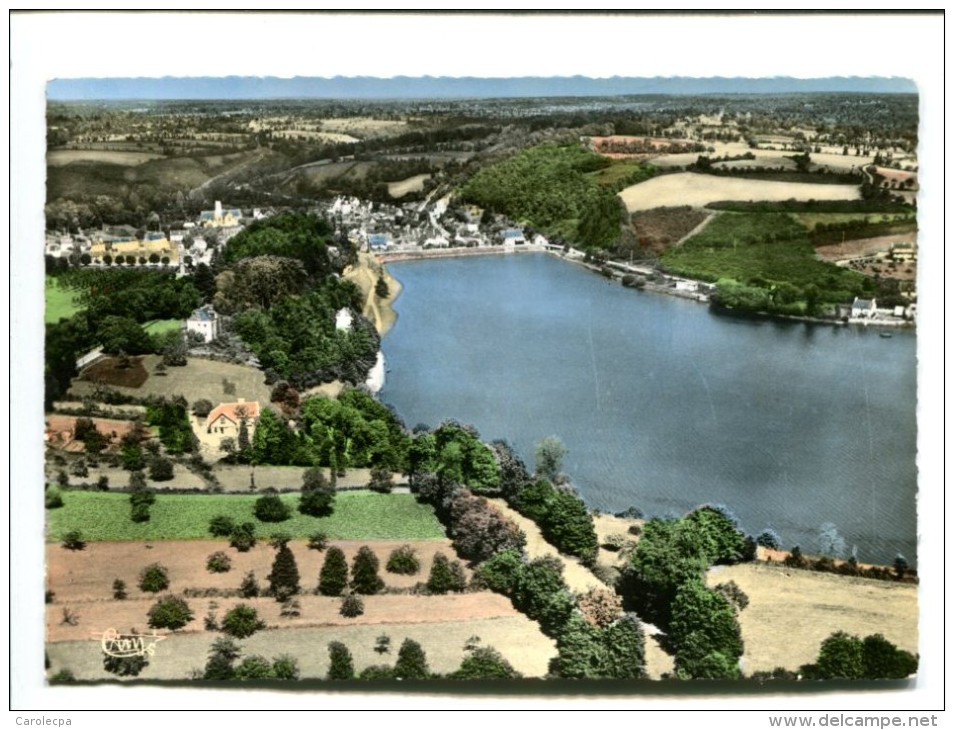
357,516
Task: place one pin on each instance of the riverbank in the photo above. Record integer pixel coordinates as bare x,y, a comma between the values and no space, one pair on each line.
365,275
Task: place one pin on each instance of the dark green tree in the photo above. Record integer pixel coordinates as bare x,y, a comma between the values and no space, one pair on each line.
317,494
411,661
364,572
485,662
170,612
221,661
284,579
154,578
333,578
125,666
341,664
403,561
271,508
446,575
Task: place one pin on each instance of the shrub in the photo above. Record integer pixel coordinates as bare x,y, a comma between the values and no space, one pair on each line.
381,480
64,676
446,575
341,665
333,577
222,656
242,621
411,662
154,578
364,572
500,573
285,666
243,537
769,538
53,498
270,508
317,541
125,666
403,561
377,672
351,606
218,562
485,662
139,512
73,540
254,667
221,526
600,607
119,589
291,608
249,587
170,612
161,469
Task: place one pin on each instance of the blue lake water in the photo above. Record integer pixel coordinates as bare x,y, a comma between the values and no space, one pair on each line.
664,404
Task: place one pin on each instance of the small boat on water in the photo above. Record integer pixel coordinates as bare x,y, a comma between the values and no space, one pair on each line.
885,334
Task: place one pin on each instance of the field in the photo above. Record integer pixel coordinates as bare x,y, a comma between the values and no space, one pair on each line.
791,612
199,379
810,220
411,185
57,158
659,228
82,583
830,158
357,515
59,301
689,188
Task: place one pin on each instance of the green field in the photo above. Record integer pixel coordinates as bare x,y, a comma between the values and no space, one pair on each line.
59,301
811,220
357,516
160,326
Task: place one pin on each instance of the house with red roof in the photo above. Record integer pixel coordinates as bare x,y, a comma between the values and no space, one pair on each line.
225,419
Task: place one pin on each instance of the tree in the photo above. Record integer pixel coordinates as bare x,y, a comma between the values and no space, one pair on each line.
501,572
333,578
364,572
73,540
883,660
285,666
283,580
242,621
154,578
381,289
485,662
411,661
549,453
202,408
446,575
170,612
53,498
249,587
841,656
222,656
582,652
221,526
218,562
317,494
769,538
254,667
341,664
119,589
626,648
513,472
600,607
704,624
160,469
242,537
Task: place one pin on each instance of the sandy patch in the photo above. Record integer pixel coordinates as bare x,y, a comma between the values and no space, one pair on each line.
410,185
689,188
376,309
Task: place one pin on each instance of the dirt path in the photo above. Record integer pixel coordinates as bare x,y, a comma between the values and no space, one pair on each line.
376,309
697,230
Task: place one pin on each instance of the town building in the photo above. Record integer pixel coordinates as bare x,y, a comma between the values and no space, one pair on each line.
225,420
205,322
220,218
863,308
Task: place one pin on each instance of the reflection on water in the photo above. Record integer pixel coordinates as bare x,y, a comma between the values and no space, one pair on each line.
663,404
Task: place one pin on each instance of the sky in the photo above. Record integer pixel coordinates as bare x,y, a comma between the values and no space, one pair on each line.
405,87
62,45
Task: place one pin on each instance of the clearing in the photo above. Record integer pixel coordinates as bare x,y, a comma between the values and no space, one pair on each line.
199,379
411,185
59,301
805,607
690,188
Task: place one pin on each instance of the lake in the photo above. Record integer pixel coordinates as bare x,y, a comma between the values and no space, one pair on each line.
664,404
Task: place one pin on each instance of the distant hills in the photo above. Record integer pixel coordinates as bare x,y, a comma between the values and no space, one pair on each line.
428,87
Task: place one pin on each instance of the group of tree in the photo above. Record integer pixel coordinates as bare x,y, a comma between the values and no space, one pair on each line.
454,453
224,653
845,656
549,188
665,583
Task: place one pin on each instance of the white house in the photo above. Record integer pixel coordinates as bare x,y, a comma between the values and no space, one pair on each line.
513,236
204,321
343,319
226,419
863,308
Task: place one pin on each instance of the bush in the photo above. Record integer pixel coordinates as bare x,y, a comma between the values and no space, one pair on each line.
242,621
73,540
161,469
317,541
333,577
243,537
249,587
170,612
254,667
445,575
221,526
64,676
317,494
769,538
125,666
381,480
485,662
403,561
139,512
351,606
501,572
53,498
154,578
119,589
377,672
218,562
285,666
600,607
270,508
